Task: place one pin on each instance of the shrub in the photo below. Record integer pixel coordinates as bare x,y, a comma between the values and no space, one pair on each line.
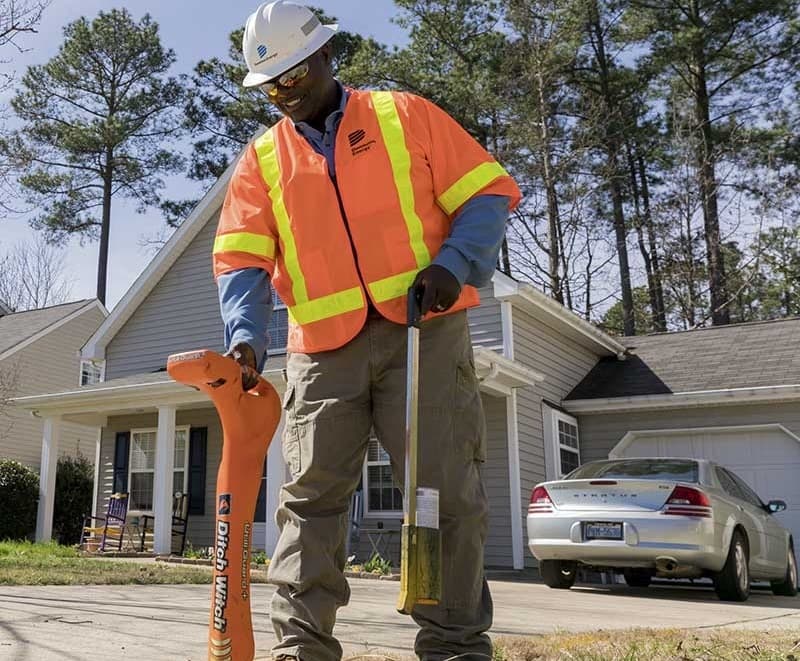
259,558
199,553
19,495
73,499
378,565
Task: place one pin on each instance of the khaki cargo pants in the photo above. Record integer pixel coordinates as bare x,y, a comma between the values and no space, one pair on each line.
333,400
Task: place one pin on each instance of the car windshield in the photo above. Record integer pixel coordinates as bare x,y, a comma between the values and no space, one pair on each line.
679,470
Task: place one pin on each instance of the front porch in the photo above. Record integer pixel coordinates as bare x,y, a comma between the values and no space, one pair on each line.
160,421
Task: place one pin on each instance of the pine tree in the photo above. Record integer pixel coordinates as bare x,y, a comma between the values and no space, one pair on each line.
97,120
734,59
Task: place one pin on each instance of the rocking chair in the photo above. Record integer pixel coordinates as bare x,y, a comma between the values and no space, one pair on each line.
108,530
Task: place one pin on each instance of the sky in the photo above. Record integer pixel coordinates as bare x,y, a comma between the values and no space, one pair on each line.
195,31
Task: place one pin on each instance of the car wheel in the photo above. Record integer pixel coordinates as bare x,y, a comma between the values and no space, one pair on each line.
637,578
558,574
732,583
788,586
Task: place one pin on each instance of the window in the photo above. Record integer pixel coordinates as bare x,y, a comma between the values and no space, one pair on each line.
567,445
728,484
383,495
92,371
142,462
747,493
278,328
642,469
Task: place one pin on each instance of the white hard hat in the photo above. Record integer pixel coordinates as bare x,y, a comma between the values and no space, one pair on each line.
278,36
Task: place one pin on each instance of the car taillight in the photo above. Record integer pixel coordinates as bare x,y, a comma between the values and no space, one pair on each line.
686,501
540,502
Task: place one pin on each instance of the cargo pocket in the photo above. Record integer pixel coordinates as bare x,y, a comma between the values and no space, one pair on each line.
470,424
291,439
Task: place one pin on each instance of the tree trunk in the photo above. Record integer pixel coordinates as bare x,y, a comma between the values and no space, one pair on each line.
552,198
102,257
621,234
612,132
505,259
659,313
639,224
707,182
691,278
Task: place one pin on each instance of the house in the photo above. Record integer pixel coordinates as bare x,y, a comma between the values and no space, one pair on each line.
40,352
556,390
155,437
729,393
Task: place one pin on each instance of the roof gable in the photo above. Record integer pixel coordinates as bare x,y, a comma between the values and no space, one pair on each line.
158,266
751,355
19,328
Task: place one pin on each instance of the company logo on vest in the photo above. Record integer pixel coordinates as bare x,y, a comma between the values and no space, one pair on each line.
355,139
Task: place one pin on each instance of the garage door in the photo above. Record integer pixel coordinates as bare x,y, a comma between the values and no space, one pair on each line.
767,457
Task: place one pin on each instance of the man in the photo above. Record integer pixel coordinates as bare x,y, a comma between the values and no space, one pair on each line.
349,200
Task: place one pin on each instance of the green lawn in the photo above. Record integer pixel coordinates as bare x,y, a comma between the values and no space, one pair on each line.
23,563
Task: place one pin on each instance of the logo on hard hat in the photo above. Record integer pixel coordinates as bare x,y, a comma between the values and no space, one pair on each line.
262,50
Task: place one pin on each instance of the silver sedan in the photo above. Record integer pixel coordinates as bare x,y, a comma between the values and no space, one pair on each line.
660,517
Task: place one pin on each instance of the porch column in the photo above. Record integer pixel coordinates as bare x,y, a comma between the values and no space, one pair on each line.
97,457
276,476
162,481
51,437
515,483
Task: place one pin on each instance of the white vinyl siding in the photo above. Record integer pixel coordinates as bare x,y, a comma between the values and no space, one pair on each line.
563,362
21,432
181,313
485,326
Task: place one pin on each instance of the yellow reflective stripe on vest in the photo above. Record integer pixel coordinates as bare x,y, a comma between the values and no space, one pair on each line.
469,184
304,311
259,245
395,141
327,306
392,287
270,170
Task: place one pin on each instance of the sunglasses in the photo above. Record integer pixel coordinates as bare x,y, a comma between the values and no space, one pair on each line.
288,79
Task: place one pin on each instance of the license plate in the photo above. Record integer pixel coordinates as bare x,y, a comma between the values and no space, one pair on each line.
601,530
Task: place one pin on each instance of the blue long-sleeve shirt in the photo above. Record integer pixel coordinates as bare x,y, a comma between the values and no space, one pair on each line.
469,253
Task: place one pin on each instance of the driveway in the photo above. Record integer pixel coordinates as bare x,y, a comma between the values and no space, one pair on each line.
169,622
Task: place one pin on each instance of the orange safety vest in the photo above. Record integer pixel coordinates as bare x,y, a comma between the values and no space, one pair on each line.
403,169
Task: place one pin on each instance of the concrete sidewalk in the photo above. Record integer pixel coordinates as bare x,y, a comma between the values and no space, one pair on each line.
169,622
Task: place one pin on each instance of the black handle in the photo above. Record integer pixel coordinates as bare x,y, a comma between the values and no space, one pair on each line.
414,315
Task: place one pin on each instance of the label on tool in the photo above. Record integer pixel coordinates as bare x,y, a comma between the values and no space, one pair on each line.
427,508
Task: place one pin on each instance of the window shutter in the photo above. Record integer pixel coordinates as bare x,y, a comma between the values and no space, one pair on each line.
198,448
122,447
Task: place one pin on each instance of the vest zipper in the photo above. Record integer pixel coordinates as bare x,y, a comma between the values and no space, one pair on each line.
350,237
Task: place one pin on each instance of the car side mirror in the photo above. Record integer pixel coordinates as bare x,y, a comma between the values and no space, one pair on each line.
775,506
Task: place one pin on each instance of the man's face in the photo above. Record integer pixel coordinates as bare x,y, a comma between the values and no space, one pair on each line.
309,95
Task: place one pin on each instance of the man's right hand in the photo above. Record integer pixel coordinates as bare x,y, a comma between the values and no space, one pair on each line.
243,354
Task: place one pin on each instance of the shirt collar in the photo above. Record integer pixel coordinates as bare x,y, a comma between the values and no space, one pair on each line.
331,120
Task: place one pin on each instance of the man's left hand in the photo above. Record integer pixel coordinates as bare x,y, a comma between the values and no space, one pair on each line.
440,288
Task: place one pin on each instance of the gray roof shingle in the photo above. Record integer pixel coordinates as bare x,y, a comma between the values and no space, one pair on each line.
19,326
749,355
